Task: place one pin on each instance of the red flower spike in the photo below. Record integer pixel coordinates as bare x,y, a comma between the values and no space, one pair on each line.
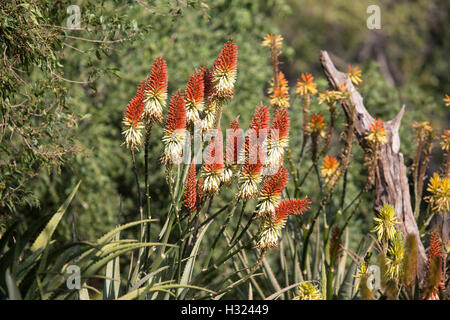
225,70
156,90
195,88
176,115
276,183
135,107
291,206
208,80
281,123
214,155
190,191
157,83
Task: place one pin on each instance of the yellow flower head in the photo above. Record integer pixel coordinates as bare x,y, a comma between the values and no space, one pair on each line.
279,95
376,134
447,100
439,199
355,75
329,96
308,291
445,143
362,271
275,42
306,86
385,223
395,257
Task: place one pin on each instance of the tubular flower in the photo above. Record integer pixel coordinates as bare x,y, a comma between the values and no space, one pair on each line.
225,70
447,100
270,228
278,138
385,223
155,94
308,291
306,86
445,143
194,94
258,129
174,131
279,95
209,115
249,179
132,120
270,194
316,126
190,191
250,175
439,199
212,170
355,75
275,42
395,256
376,133
328,168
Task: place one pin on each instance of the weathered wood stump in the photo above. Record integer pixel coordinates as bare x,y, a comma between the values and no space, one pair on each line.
391,181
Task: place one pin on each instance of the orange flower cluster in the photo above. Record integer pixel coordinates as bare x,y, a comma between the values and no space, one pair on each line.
306,86
377,134
279,95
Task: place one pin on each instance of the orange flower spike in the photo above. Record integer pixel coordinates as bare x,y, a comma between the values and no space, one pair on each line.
278,138
194,94
445,143
208,83
377,133
329,168
155,94
270,229
174,131
447,100
225,70
435,254
190,191
212,170
355,75
316,124
291,206
271,192
306,86
279,95
132,120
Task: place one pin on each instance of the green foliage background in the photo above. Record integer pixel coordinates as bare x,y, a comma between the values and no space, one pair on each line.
414,39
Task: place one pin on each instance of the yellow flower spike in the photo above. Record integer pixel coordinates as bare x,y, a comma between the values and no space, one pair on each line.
355,75
395,257
306,86
445,143
308,291
376,134
328,168
439,188
385,223
273,42
446,100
